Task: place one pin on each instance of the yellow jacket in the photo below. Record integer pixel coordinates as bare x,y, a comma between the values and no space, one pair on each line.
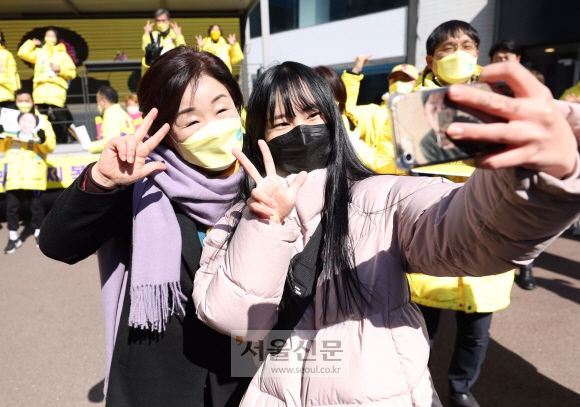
230,54
9,79
24,164
374,125
49,87
427,80
574,90
167,43
468,294
116,123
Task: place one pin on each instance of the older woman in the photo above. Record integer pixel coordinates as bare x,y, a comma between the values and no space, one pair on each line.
144,206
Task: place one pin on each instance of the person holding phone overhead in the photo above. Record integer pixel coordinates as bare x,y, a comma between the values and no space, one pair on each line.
302,174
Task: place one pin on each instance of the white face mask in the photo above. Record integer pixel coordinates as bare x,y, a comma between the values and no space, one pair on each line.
211,146
133,109
401,87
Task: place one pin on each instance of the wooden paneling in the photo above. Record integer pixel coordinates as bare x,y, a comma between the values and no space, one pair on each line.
107,36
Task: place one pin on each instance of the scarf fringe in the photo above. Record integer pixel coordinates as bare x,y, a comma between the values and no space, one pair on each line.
151,306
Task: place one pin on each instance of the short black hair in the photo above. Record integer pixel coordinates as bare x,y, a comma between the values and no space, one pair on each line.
212,26
450,28
505,45
32,113
23,91
109,93
162,11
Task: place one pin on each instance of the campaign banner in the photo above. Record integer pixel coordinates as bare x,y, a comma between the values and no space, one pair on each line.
62,170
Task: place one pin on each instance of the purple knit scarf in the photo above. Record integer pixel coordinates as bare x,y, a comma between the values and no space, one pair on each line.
156,255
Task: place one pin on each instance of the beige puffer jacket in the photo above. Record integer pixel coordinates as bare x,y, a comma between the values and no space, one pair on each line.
398,225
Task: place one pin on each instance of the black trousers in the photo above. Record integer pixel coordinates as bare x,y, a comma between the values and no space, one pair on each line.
471,345
60,118
13,199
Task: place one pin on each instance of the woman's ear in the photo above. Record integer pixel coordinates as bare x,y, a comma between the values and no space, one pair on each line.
429,60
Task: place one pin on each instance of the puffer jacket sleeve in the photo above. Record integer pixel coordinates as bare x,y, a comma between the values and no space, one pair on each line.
236,54
68,69
351,83
13,79
497,220
179,40
239,286
50,138
27,52
385,156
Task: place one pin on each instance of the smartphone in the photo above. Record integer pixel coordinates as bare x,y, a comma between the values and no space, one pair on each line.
420,121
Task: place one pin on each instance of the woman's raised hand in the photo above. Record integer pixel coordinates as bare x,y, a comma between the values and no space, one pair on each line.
536,134
122,162
270,198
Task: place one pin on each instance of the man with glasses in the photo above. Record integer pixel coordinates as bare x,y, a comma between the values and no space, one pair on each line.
452,51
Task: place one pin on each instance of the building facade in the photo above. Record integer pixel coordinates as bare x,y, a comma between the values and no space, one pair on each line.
333,32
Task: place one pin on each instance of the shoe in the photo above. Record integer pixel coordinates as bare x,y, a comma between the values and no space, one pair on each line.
526,278
462,400
37,241
12,246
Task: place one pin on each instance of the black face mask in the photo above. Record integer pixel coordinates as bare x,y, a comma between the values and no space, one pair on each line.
304,148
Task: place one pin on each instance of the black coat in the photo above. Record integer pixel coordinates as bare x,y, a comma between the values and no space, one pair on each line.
147,369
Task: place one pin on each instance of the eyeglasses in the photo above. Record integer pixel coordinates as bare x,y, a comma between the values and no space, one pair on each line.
450,47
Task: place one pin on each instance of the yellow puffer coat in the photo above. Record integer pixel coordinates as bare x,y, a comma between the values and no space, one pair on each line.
116,123
374,126
25,167
49,87
167,43
427,79
468,294
230,54
9,79
368,120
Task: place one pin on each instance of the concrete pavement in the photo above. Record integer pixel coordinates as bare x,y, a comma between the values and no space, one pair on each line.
52,336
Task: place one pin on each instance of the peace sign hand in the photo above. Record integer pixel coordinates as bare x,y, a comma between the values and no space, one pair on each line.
270,199
122,162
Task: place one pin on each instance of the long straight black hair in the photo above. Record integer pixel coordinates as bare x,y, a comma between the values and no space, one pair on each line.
299,88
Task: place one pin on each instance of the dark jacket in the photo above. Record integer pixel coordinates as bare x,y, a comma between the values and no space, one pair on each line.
147,369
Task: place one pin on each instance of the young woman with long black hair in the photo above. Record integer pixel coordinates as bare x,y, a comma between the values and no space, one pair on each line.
300,169
143,206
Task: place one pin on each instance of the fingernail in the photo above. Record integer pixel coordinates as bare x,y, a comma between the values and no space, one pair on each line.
274,204
454,131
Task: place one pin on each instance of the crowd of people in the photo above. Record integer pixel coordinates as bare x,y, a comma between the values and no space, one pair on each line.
207,216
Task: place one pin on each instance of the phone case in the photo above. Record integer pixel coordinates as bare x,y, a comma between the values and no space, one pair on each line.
420,120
